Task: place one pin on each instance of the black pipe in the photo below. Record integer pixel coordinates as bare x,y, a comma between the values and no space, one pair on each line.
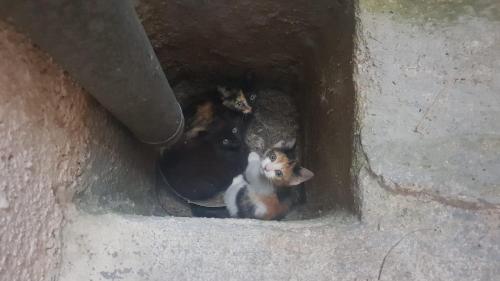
102,44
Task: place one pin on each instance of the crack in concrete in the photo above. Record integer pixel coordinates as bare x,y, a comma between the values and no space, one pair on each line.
397,189
363,160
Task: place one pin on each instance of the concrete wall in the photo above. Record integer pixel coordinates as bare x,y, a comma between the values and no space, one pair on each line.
427,80
54,141
426,168
427,152
226,38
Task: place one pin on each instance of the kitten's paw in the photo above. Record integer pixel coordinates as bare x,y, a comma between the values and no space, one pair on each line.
253,156
238,180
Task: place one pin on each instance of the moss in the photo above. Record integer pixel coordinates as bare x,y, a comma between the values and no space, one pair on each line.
434,10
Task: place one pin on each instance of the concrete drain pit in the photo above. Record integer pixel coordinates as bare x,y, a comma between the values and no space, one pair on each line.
424,170
300,54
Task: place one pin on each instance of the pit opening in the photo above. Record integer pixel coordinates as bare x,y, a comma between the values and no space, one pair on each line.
300,49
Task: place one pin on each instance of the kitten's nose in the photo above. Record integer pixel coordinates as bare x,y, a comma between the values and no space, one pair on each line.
268,168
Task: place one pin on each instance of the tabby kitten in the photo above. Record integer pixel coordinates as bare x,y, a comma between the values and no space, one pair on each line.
253,194
201,114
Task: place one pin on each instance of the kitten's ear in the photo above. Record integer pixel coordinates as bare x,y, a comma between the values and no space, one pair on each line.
301,176
223,91
288,145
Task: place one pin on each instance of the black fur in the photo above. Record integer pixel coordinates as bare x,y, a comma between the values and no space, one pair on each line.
289,152
246,208
200,168
209,212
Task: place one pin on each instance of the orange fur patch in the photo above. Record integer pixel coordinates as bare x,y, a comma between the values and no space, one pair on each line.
287,169
205,112
241,98
274,207
203,118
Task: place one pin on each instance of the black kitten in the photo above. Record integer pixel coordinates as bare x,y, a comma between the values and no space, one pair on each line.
202,167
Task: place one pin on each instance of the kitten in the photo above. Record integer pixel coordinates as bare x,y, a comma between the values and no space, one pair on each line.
254,195
201,114
281,167
199,168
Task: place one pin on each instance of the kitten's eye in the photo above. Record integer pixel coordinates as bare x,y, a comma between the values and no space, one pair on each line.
253,97
234,130
238,103
278,173
225,141
272,156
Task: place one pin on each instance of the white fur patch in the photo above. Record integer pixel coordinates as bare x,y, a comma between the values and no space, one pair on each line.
265,162
231,193
260,209
239,179
253,156
274,166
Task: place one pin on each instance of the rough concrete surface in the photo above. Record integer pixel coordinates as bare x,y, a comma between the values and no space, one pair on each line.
451,245
427,162
42,149
55,141
431,107
425,170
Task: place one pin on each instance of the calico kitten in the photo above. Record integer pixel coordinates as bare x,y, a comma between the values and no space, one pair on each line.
234,99
250,193
253,194
281,167
199,168
201,114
